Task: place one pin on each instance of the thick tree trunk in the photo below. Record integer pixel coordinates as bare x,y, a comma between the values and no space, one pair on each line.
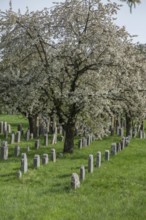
128,125
33,125
69,138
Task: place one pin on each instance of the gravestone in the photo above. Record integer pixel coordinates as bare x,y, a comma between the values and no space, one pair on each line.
4,150
9,129
19,174
27,135
18,137
36,161
2,127
82,173
16,151
20,128
113,149
37,144
90,163
84,142
24,164
53,155
75,182
45,159
98,159
5,126
12,138
107,155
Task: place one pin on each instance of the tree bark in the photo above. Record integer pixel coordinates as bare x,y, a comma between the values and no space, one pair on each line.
128,125
33,126
69,138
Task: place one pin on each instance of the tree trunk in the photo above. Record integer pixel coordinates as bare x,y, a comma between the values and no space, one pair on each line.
69,138
33,125
128,125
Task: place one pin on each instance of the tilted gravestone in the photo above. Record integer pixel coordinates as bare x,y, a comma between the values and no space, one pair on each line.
1,127
75,182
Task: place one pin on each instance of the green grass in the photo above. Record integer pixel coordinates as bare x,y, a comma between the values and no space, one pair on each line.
115,191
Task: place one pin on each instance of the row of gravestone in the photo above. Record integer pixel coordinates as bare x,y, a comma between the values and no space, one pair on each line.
86,141
36,161
115,148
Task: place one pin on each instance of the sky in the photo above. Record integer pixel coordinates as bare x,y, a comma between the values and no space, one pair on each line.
134,22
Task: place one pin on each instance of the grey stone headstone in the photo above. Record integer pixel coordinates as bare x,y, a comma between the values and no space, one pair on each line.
17,151
9,129
24,164
75,182
12,138
2,127
82,173
113,149
45,159
84,142
107,154
27,135
36,161
4,152
5,126
90,163
98,159
18,137
53,155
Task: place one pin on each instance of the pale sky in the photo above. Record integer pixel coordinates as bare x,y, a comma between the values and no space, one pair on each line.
134,22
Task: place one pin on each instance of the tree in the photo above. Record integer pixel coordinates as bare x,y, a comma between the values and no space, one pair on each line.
75,53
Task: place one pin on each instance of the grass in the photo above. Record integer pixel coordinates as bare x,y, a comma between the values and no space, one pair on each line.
115,191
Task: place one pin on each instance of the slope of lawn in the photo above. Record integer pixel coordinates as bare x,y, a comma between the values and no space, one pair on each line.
115,191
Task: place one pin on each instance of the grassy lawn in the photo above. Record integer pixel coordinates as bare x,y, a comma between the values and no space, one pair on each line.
115,191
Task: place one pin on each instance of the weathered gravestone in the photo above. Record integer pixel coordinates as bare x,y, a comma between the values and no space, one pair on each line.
4,150
98,159
107,155
36,161
12,138
18,137
24,164
53,155
113,149
45,159
82,173
75,182
80,144
90,163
